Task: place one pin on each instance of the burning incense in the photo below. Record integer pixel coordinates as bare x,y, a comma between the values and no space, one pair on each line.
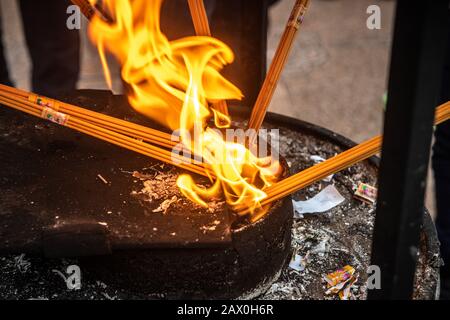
121,126
279,60
174,83
337,163
201,26
118,139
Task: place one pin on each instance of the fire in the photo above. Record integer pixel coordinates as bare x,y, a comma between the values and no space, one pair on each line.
175,83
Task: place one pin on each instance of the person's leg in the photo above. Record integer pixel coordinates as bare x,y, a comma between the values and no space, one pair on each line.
54,49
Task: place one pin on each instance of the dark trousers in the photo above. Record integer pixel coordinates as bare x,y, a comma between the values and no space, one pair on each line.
441,167
53,48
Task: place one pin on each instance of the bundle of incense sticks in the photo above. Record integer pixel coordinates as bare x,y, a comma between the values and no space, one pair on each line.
335,164
121,126
201,26
87,122
277,65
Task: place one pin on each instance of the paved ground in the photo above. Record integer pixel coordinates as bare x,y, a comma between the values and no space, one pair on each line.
336,75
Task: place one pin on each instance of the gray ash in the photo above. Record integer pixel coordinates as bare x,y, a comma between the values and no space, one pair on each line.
160,188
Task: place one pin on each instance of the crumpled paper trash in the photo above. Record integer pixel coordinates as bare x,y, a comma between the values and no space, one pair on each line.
341,282
325,200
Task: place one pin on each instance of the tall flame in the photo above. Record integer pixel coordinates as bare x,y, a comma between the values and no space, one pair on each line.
174,83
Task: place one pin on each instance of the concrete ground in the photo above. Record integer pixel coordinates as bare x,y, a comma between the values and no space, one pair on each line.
335,77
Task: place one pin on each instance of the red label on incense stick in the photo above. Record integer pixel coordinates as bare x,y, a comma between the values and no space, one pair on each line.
298,14
45,102
55,116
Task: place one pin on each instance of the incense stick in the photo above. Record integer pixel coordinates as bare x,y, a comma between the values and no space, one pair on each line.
89,10
113,137
270,83
335,164
201,26
199,17
86,8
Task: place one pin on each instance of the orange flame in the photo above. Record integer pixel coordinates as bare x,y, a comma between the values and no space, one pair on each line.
174,83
